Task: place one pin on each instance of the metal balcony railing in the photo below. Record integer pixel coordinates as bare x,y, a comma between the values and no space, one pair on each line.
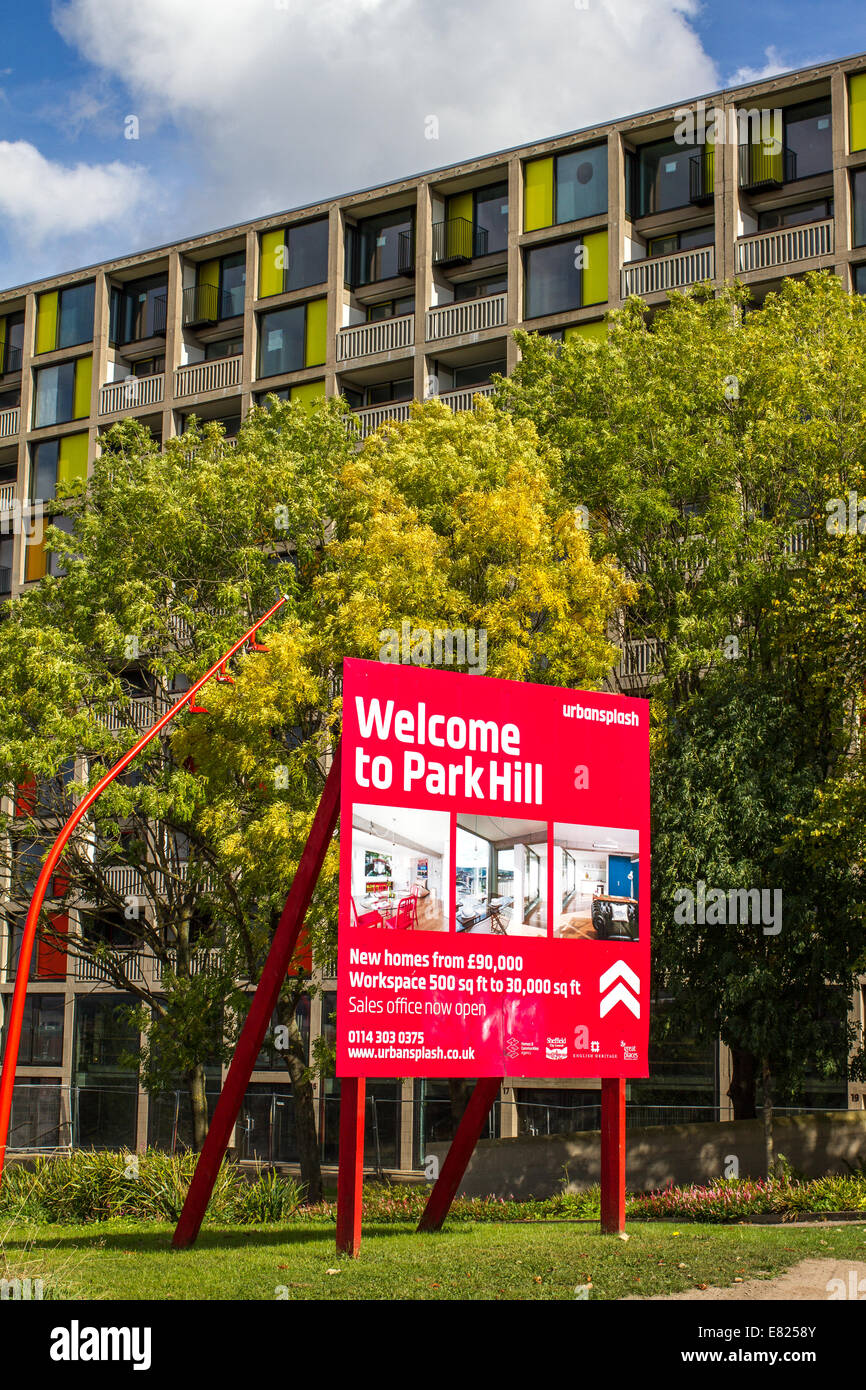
137,713
457,240
637,658
131,393
9,421
385,335
702,177
198,377
767,249
5,579
209,304
465,399
766,165
85,969
406,253
124,879
201,963
672,272
371,417
469,316
10,359
7,496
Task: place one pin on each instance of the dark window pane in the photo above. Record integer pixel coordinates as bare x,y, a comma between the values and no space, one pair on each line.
76,316
233,274
860,279
41,1031
384,247
478,289
860,208
491,213
281,344
553,280
45,470
55,395
308,255
478,374
808,132
581,183
663,176
230,347
794,216
697,236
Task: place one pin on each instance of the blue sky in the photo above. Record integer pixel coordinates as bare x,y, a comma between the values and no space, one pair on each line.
244,107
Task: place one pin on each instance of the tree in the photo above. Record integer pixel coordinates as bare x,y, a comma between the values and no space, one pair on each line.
707,445
448,520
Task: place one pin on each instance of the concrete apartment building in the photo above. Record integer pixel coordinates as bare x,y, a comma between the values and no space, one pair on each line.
387,295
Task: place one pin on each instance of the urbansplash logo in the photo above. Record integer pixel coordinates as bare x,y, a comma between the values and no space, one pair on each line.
600,716
77,1343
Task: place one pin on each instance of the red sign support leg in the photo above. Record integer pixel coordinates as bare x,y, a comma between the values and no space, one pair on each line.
351,1171
612,1155
261,1010
458,1156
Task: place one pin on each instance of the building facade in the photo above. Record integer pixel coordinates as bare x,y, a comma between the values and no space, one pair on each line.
393,294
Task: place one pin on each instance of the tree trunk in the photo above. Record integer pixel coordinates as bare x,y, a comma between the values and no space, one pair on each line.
198,1102
767,1097
304,1103
742,1088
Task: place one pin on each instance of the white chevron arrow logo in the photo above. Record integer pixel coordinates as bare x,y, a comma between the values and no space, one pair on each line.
620,994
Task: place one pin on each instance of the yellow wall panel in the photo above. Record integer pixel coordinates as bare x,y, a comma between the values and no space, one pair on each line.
46,322
317,333
857,111
34,561
308,393
595,268
596,330
83,382
71,463
538,194
272,263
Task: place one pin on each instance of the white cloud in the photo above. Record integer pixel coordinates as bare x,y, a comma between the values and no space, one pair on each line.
43,199
774,64
274,103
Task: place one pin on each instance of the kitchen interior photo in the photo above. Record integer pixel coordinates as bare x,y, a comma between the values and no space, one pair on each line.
595,882
501,876
399,868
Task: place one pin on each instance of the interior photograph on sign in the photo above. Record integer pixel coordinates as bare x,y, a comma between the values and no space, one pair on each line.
501,876
400,868
595,883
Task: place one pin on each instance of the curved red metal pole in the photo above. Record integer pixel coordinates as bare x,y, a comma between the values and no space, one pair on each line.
16,1013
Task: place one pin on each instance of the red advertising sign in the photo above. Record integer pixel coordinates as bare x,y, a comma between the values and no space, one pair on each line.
494,878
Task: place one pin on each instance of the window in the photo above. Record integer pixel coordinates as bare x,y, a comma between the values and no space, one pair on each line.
860,278
58,463
390,309
580,183
218,292
233,275
681,241
662,177
293,338
138,310
148,366
41,1031
64,318
793,216
809,135
859,190
293,258
478,374
229,347
478,289
389,391
379,248
11,343
553,279
491,214
62,393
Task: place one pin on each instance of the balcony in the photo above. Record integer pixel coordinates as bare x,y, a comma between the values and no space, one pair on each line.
201,963
637,659
10,359
131,393
7,496
86,970
372,416
137,713
766,250
457,241
5,579
385,335
469,316
659,273
125,880
206,304
702,176
766,166
199,377
465,399
9,421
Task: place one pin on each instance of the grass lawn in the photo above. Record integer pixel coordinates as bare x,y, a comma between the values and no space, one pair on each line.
133,1259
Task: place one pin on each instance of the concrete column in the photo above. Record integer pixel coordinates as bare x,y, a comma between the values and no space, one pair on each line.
173,338
508,1126
407,1123
26,410
727,199
336,269
841,196
515,259
251,289
423,285
101,329
616,217
726,1109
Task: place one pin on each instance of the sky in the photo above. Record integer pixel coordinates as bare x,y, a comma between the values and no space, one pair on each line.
127,125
